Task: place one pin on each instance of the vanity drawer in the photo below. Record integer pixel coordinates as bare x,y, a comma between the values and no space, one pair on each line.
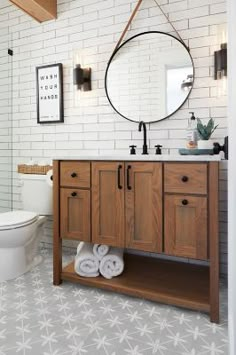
185,178
75,174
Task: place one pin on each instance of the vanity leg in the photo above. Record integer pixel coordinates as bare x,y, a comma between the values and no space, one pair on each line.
214,293
57,262
57,242
214,240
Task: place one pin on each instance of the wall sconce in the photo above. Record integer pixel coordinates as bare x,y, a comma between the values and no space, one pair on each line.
187,83
220,59
82,78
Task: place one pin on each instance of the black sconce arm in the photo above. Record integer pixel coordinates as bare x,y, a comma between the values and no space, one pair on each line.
82,78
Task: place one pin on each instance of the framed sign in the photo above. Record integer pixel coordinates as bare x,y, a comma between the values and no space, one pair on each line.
49,86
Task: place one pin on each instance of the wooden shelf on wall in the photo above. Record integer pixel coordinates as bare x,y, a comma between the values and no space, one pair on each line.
179,284
40,10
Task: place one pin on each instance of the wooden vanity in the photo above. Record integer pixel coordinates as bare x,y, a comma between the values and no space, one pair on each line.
165,207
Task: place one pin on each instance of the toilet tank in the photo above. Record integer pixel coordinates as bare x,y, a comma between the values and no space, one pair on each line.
36,193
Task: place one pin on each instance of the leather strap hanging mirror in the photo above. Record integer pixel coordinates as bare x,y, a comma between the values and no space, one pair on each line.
132,17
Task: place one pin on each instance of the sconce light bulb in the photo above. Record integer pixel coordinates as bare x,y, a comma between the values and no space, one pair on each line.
222,86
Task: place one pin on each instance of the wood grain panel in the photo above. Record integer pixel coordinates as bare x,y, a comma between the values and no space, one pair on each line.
175,283
107,204
75,214
107,190
57,244
185,178
143,206
40,10
75,174
185,229
214,240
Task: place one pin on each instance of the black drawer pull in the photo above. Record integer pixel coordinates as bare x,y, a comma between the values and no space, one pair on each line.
184,178
73,175
185,202
118,180
128,177
73,194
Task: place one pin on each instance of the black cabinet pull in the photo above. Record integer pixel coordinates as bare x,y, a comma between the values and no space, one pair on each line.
73,175
128,178
185,202
184,178
118,181
73,194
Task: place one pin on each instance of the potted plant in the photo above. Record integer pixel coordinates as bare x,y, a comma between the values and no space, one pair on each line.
205,132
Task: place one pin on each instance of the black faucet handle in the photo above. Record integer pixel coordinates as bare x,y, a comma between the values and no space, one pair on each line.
158,148
132,150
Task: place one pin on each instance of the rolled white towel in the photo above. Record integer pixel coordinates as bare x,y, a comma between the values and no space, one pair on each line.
86,263
100,250
112,264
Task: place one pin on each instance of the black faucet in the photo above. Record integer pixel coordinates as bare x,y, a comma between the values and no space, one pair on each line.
142,124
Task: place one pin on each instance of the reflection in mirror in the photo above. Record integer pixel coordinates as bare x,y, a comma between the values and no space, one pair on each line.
176,91
149,77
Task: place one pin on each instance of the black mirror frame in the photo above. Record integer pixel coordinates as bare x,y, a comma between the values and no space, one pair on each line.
123,44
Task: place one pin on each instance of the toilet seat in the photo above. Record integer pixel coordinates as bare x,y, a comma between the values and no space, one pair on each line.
16,219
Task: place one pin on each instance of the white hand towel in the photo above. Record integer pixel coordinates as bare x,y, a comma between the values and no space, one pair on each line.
86,263
100,250
112,264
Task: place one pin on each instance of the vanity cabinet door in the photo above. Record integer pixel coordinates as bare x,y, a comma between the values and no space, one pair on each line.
108,203
75,214
143,206
185,226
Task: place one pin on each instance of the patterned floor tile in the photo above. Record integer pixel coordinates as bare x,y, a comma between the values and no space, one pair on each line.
37,318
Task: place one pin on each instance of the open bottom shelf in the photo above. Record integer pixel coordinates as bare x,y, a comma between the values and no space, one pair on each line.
175,283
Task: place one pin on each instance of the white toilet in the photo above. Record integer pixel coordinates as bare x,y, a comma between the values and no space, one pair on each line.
20,231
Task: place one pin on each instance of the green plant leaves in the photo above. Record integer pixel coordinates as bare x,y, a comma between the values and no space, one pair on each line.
205,131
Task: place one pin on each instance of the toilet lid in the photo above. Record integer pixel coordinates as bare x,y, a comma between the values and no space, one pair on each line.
14,219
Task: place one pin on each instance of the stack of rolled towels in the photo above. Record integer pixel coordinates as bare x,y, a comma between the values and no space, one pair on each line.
94,259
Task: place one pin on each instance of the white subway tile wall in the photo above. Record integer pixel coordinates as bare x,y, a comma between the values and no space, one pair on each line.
92,29
5,119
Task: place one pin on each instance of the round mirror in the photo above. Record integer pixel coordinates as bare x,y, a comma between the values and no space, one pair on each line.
149,77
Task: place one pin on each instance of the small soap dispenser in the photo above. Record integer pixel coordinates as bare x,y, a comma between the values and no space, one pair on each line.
191,134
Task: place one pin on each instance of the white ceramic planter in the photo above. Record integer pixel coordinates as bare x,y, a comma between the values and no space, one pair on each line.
201,144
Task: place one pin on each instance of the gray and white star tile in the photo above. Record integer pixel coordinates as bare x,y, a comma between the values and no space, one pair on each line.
37,318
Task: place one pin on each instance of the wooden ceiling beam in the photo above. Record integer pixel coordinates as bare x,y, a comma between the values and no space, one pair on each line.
40,10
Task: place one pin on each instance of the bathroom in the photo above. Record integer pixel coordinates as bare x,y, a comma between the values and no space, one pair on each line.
86,33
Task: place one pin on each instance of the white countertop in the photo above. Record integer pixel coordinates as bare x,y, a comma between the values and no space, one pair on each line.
151,157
